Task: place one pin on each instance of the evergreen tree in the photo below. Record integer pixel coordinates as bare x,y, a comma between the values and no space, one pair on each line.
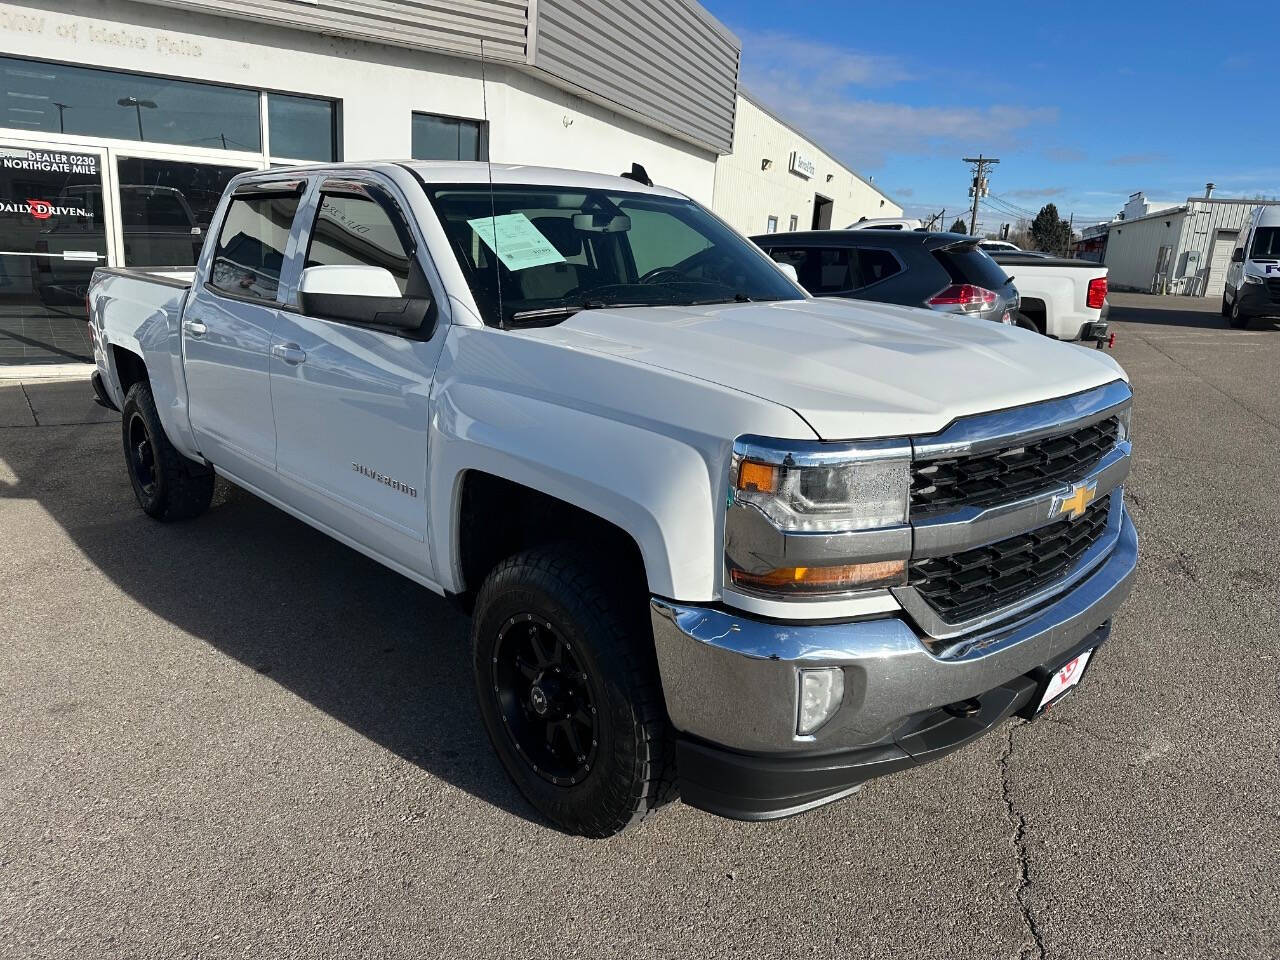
959,226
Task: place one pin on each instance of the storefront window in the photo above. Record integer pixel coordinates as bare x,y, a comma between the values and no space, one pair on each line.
166,208
302,128
449,138
54,234
56,98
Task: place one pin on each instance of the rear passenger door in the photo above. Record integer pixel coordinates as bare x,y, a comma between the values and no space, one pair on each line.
352,400
227,327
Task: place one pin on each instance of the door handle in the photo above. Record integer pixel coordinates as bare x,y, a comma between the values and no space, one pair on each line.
195,328
290,353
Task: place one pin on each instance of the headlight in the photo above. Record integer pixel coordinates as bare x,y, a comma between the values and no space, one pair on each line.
814,519
850,495
1252,279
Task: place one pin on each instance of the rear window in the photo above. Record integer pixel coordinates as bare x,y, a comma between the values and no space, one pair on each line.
251,246
966,263
1266,243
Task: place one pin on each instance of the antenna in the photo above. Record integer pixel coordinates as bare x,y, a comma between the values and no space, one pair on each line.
488,162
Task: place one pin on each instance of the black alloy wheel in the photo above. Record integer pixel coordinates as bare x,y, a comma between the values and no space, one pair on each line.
142,455
545,699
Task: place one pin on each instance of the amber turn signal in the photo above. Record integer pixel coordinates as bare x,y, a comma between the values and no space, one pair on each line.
850,576
757,477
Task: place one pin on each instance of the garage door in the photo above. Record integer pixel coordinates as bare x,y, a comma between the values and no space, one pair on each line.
1224,241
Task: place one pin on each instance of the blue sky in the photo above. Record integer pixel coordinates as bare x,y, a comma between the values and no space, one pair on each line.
1084,103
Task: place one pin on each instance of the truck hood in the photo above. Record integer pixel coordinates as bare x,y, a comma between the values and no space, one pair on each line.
851,369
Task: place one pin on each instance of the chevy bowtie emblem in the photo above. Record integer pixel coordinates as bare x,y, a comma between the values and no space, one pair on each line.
1073,504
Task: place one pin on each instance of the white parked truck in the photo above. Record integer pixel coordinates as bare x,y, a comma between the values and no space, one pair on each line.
717,536
1061,297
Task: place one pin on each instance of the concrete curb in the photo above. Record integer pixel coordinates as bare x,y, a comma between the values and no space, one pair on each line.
46,371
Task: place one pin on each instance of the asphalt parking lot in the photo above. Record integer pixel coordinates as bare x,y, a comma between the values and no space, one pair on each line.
235,737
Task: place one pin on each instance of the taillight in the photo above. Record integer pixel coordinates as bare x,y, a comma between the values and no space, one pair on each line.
966,296
1097,293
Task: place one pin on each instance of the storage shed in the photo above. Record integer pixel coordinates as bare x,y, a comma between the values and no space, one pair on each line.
1183,249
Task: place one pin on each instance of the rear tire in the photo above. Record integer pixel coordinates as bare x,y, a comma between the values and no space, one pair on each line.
1022,320
166,484
568,687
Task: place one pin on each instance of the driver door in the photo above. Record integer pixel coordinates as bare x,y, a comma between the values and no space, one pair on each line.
352,401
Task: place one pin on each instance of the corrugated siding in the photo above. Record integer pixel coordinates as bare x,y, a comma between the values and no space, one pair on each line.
663,59
451,26
1204,222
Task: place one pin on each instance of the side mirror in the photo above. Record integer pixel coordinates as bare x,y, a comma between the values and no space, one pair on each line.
790,270
361,294
1237,255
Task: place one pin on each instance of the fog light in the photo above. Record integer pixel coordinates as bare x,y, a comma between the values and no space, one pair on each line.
820,694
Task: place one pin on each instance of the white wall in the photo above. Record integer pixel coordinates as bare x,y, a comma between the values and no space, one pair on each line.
746,196
1133,246
379,86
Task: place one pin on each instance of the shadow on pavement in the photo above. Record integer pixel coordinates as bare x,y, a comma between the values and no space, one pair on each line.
1174,317
378,653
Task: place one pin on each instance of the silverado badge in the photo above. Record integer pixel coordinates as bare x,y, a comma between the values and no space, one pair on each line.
1073,504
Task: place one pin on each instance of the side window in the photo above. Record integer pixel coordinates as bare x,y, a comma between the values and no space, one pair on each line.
354,230
875,265
822,270
250,252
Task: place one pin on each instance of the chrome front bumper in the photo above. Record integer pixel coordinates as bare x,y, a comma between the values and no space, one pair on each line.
731,682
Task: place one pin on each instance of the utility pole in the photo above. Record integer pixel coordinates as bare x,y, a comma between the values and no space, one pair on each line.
979,188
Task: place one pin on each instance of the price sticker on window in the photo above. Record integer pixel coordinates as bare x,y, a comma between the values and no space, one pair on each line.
517,242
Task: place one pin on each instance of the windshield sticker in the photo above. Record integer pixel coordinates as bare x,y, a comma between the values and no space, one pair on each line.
516,241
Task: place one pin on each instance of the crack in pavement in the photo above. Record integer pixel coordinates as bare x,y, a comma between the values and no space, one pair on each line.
27,397
1018,842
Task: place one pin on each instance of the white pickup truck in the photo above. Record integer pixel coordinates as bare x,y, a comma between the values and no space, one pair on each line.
1061,297
718,537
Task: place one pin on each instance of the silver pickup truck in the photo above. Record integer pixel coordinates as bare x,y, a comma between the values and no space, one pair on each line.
718,537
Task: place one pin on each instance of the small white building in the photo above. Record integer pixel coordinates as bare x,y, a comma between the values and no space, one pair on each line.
777,178
1183,249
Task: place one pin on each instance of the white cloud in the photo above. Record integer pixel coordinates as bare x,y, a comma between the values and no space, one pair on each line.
822,89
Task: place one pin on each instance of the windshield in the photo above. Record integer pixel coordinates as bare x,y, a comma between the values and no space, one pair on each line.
558,250
1266,243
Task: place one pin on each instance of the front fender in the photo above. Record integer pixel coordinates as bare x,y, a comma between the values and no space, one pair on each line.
642,448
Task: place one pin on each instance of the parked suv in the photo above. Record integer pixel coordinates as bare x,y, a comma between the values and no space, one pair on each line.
942,271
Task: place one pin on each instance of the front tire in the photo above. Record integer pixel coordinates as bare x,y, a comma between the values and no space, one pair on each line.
1226,307
568,688
166,484
1237,319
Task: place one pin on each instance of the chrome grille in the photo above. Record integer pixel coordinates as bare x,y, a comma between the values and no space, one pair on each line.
981,581
983,480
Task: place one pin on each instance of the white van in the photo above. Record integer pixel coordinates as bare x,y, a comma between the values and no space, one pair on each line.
1253,278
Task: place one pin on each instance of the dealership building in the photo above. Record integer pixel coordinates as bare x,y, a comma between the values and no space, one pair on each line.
121,121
